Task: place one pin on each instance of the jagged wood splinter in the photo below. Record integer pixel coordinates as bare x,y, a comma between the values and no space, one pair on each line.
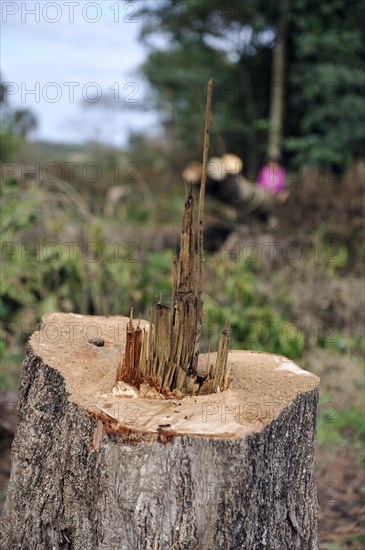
167,356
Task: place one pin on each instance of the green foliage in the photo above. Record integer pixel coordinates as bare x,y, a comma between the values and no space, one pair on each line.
16,125
3,493
255,318
341,343
8,146
327,78
9,376
201,47
340,426
41,273
95,276
324,110
180,95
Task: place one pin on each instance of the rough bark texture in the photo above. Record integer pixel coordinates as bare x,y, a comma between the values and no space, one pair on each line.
73,487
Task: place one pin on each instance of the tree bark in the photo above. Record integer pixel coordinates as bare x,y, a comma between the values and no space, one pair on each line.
278,88
103,467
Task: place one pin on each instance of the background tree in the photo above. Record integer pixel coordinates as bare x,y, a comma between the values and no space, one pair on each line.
16,125
278,89
206,39
22,122
321,46
326,125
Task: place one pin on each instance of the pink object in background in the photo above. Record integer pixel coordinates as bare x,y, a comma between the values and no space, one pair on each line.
272,177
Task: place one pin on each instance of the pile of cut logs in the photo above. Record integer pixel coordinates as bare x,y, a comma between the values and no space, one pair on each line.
226,183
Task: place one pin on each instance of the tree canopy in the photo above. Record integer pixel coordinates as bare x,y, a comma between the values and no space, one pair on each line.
324,117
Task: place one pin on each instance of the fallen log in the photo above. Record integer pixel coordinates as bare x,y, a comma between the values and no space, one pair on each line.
226,183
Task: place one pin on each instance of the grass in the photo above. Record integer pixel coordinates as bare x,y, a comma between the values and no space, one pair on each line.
3,493
341,426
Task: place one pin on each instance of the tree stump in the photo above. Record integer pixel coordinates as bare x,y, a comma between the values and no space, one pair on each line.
103,467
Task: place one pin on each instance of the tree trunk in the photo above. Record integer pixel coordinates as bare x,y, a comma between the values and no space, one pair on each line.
278,89
104,467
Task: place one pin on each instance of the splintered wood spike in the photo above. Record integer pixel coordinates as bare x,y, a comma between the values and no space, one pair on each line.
167,355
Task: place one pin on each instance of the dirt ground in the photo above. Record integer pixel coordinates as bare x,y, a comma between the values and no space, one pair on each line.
341,498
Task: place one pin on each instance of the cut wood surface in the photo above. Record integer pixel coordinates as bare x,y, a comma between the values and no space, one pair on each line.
100,465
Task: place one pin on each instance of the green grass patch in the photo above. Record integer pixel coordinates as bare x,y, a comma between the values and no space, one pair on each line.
340,426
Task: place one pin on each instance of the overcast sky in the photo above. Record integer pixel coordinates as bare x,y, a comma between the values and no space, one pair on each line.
58,54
